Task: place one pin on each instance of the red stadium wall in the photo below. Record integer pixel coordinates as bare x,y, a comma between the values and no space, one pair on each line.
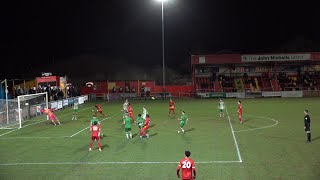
102,87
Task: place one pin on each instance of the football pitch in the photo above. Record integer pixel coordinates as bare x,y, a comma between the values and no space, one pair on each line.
270,144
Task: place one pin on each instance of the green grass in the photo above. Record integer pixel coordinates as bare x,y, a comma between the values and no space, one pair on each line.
276,152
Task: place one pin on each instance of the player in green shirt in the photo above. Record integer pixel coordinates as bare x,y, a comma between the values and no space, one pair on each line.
140,121
127,126
183,120
75,111
94,119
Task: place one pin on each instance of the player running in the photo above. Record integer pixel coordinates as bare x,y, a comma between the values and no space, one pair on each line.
75,111
221,108
171,107
144,130
127,126
95,136
240,111
188,166
130,112
99,109
140,121
51,116
183,120
144,112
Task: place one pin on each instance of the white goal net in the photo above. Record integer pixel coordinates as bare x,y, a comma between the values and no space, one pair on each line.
15,113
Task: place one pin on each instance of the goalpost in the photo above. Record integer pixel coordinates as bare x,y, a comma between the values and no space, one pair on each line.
21,110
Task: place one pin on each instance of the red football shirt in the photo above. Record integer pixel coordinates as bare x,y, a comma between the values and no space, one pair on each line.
171,103
240,109
95,130
98,106
147,122
187,166
130,110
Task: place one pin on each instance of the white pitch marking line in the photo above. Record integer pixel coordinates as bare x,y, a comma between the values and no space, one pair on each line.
36,137
95,163
89,126
234,137
276,123
36,123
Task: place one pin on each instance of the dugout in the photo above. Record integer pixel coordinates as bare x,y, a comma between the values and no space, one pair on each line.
253,72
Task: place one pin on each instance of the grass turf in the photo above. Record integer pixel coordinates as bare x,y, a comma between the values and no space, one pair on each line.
277,152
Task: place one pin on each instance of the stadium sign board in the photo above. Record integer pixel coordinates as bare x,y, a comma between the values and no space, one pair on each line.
271,94
217,95
60,104
291,93
276,57
253,94
235,95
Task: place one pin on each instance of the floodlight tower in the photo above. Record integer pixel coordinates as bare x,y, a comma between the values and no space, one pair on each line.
163,63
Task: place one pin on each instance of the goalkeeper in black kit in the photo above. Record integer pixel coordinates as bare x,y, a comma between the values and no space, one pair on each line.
307,125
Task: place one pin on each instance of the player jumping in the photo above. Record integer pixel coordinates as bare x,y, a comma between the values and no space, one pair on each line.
183,120
51,116
221,108
96,130
188,166
171,107
125,105
240,111
99,109
127,126
75,111
130,112
144,112
144,130
93,120
140,121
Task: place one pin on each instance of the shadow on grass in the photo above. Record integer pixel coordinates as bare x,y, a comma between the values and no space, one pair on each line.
105,146
154,134
316,138
134,135
188,130
152,125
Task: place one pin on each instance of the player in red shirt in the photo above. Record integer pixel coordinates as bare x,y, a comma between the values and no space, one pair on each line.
51,116
171,107
240,111
187,165
99,109
144,129
96,131
130,112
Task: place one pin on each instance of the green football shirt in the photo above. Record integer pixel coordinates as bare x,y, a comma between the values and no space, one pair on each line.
127,122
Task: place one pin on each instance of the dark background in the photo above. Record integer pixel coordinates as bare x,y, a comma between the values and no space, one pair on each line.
121,39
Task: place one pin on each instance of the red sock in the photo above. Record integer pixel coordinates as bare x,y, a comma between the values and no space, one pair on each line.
240,119
99,144
91,145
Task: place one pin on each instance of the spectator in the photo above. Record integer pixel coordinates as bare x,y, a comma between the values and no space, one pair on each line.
114,89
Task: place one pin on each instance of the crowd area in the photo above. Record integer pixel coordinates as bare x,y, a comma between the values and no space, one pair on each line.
54,92
287,81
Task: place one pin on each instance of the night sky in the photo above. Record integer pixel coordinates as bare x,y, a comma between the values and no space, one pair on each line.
77,38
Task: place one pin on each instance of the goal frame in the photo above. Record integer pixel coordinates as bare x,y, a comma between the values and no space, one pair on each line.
28,95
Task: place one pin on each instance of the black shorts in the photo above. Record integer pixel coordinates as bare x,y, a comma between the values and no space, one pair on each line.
307,128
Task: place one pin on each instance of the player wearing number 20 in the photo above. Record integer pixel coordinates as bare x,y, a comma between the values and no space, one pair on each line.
187,166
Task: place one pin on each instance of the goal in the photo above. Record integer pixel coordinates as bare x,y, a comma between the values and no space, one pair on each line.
15,113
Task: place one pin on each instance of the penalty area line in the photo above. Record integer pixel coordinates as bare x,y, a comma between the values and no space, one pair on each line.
89,126
96,163
37,123
234,137
264,127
